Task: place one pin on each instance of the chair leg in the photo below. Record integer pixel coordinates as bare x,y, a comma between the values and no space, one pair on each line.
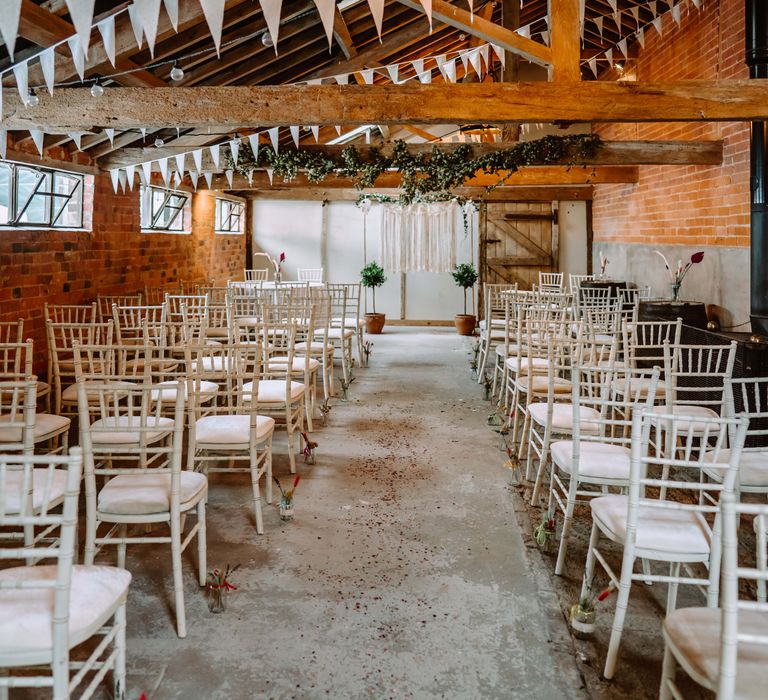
667,674
622,601
178,584
674,570
484,349
257,498
360,351
308,408
122,547
589,565
290,428
268,469
762,561
119,670
202,545
565,533
90,542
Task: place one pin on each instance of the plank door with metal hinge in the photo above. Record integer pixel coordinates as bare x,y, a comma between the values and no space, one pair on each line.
517,241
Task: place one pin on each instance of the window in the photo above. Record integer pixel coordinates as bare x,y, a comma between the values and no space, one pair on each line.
164,210
32,197
229,216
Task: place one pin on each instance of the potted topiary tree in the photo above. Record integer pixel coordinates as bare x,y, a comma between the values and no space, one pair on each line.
465,277
372,276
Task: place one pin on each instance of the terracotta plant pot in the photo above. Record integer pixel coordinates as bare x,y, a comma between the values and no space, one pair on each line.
465,324
374,323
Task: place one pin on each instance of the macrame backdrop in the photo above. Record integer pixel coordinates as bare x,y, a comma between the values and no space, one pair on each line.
419,237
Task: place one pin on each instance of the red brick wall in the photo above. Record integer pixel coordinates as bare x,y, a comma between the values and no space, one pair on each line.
685,205
71,267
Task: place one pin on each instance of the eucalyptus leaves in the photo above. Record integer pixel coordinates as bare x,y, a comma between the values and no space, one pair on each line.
422,174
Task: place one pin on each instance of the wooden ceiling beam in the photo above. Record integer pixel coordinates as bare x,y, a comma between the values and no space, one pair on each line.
243,107
485,30
342,36
500,194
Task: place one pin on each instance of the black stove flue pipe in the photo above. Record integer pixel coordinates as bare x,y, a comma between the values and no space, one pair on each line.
757,60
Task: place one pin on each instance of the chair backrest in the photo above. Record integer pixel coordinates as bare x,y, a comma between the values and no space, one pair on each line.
12,331
71,313
115,363
62,337
140,324
643,341
354,298
18,473
696,374
748,396
106,301
310,274
18,401
16,359
339,300
736,629
575,280
154,296
255,275
550,280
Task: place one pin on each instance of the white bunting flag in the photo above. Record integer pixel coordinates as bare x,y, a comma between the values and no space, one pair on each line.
427,5
179,158
253,140
9,24
148,14
234,149
368,136
592,63
214,16
81,13
393,73
545,37
123,180
163,163
38,137
617,20
474,59
485,52
172,8
250,178
48,66
582,11
418,65
107,30
130,171
652,8
295,134
274,137
449,70
114,174
657,25
425,77
229,174
78,57
143,130
338,129
138,31
176,179
464,56
641,37
3,142
599,24
440,60
327,11
315,132
146,170
524,31
613,4
697,3
197,159
77,137
635,10
500,53
367,76
270,171
377,11
21,73
215,155
609,56
271,11
622,46
342,79
676,14
315,81
208,178
193,176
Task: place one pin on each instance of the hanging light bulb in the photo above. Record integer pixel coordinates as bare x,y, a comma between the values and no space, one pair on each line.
266,39
97,90
32,99
159,143
177,73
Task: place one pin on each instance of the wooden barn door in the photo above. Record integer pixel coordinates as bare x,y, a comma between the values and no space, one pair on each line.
517,240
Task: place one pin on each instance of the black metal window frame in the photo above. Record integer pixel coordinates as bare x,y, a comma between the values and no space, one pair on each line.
150,221
17,209
229,221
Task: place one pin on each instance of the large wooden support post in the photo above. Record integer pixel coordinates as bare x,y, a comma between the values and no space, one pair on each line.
565,40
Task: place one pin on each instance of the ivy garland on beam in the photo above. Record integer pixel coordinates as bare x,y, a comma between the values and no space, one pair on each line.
422,175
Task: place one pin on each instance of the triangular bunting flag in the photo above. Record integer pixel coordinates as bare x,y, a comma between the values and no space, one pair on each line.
270,171
418,65
21,73
148,13
163,163
208,178
635,10
617,20
613,4
215,155
524,31
676,14
172,8
485,52
315,81
77,137
327,10
652,7
641,37
48,66
474,59
143,130
656,22
234,149
81,13
130,171
123,178
78,57
193,176
393,73
253,140
609,56
464,56
377,12
274,137
214,16
271,11
592,63
138,31
229,174
622,46
599,24
545,37
38,137
146,169
176,178
197,159
114,174
342,78
425,77
367,76
338,129
250,178
449,70
107,30
295,134
179,158
440,60
9,24
427,5
315,132
697,3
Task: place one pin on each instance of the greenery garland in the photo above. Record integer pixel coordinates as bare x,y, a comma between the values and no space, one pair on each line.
422,175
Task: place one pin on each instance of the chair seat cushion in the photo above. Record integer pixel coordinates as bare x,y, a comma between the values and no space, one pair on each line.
211,363
694,635
273,391
495,323
43,388
336,333
26,614
280,363
661,529
597,460
144,493
232,430
103,430
13,485
501,349
349,322
217,332
205,391
46,424
540,384
562,416
315,348
69,395
753,467
685,427
539,364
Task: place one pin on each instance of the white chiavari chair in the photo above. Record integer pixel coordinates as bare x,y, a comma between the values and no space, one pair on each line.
493,324
574,281
341,337
255,275
551,281
310,274
352,319
105,302
140,324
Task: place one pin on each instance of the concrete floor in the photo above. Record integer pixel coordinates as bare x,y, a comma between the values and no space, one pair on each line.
404,573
